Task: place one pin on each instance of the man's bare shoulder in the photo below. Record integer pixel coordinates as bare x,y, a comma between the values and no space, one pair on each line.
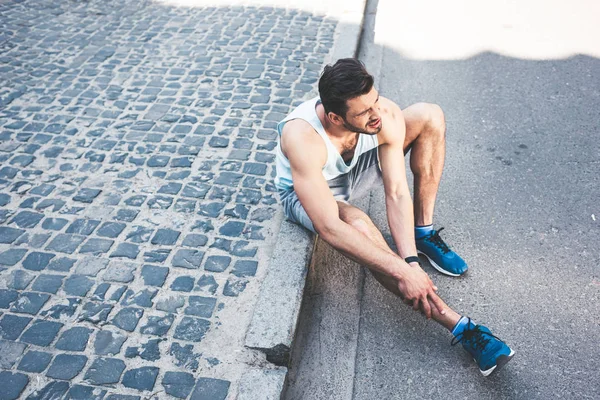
393,125
300,140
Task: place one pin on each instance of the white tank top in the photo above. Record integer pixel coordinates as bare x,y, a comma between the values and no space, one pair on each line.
335,165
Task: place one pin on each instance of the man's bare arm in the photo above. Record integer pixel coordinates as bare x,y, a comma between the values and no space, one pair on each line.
399,205
307,155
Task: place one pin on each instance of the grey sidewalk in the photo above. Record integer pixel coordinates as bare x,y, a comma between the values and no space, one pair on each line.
138,213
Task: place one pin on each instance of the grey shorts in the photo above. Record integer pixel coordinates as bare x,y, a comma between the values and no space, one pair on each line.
357,183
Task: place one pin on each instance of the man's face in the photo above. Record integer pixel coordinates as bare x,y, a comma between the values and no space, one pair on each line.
363,115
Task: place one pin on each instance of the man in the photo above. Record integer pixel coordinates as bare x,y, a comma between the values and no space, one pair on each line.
333,149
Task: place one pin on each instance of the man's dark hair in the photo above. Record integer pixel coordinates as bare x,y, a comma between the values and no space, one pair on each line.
346,79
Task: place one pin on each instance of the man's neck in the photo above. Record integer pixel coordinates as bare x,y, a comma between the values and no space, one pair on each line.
333,130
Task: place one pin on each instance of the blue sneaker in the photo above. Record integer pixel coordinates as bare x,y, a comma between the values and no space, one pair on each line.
439,254
489,352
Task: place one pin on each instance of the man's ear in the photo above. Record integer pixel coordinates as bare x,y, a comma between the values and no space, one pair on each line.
334,118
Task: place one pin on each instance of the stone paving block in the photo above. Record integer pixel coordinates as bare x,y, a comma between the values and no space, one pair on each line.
35,361
195,190
239,211
91,266
122,397
139,234
95,312
104,371
53,390
154,275
10,352
232,228
233,287
12,256
41,333
128,318
118,271
183,284
96,246
140,378
11,385
9,235
126,250
7,297
81,392
165,237
158,325
191,329
217,263
186,258
110,229
178,384
243,268
47,283
11,326
82,226
29,302
141,298
61,264
27,219
210,389
55,224
200,306
195,240
206,284
74,339
108,343
170,303
65,243
185,356
66,366
148,351
37,261
77,285
86,195
126,215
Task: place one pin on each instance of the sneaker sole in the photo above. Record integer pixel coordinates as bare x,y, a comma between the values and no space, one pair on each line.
437,267
500,362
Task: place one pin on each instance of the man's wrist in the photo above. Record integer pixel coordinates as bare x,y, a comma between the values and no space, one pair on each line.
412,259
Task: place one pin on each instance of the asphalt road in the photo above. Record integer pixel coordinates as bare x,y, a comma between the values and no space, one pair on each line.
519,200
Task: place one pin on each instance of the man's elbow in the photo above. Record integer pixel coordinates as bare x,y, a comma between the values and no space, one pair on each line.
395,195
327,228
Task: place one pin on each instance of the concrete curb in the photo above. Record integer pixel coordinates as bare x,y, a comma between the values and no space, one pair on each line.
273,326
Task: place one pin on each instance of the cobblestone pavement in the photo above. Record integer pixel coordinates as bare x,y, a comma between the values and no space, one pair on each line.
137,203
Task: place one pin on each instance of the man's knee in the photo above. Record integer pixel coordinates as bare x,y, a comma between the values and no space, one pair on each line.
354,217
436,121
431,116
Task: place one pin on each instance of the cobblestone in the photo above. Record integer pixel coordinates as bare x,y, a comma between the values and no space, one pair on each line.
35,361
136,188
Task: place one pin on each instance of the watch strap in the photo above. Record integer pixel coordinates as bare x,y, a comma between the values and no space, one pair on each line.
412,259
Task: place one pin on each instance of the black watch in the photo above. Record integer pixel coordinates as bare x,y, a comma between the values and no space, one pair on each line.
412,259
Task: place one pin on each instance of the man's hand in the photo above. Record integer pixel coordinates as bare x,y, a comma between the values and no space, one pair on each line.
418,290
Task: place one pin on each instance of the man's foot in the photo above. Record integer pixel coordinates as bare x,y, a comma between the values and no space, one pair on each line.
439,254
489,352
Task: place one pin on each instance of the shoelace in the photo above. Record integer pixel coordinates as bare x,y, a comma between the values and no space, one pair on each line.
438,241
474,337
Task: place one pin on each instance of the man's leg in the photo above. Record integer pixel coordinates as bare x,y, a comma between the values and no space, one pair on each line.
426,139
489,352
361,222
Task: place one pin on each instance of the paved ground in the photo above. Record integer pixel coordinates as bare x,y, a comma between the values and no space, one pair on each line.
137,204
519,201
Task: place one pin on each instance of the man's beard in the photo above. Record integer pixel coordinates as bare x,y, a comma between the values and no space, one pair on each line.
364,130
